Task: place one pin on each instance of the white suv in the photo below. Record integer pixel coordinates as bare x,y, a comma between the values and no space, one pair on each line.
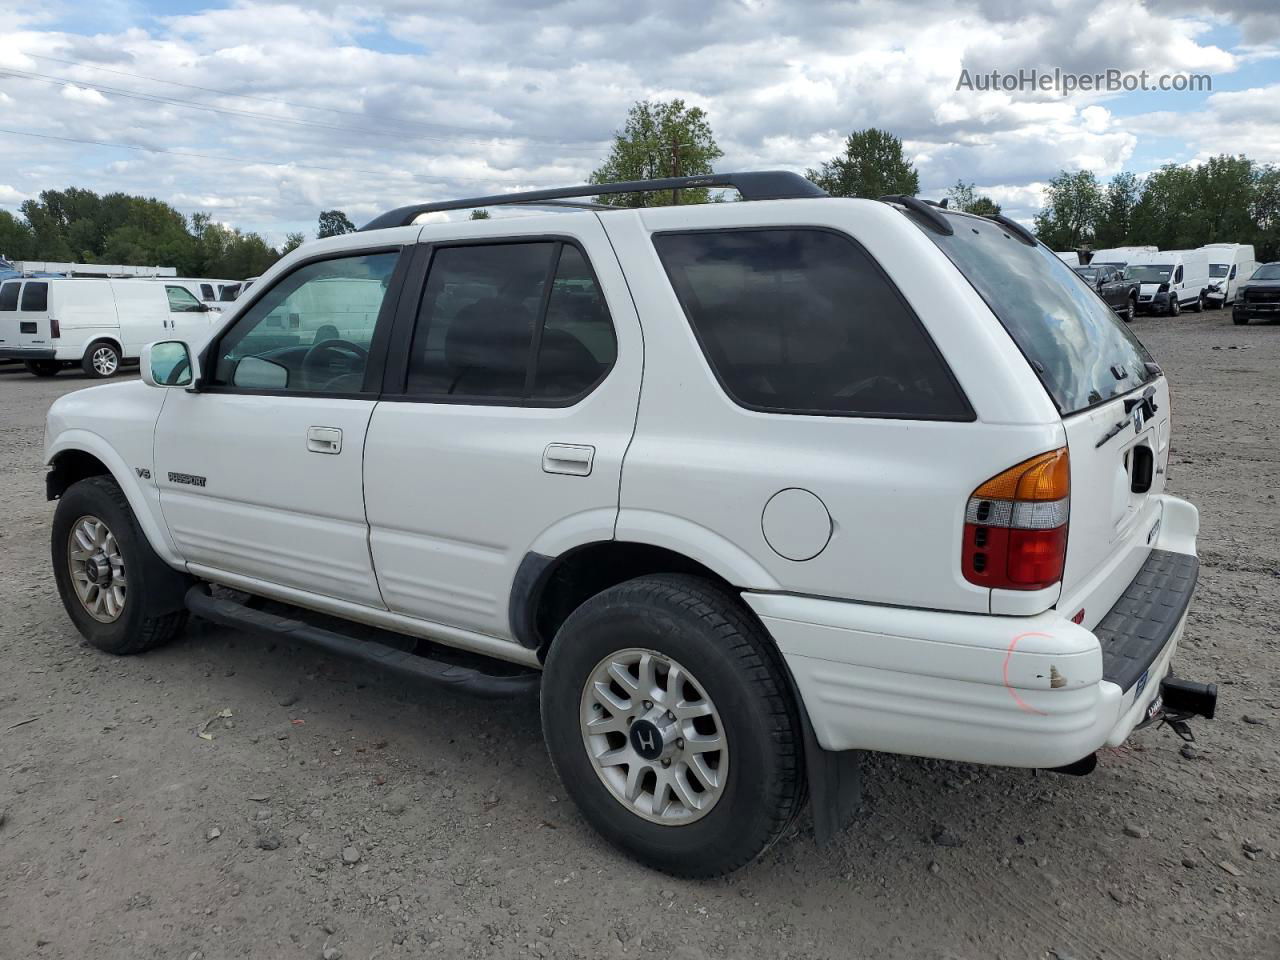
743,488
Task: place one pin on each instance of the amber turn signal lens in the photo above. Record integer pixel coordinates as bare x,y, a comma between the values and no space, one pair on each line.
1046,477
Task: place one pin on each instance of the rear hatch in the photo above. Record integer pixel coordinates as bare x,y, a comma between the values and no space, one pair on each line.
9,336
33,316
1113,400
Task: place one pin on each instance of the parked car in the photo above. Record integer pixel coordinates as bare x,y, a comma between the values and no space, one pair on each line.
1258,298
1119,292
743,489
50,323
1230,264
1171,280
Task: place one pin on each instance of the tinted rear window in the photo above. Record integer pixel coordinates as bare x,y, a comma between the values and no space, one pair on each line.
35,297
1067,332
9,296
796,320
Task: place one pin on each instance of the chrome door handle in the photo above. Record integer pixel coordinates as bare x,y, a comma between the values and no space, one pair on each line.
324,439
573,459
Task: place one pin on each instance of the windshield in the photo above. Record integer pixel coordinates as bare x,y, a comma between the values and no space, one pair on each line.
1217,270
1268,271
1149,272
1072,339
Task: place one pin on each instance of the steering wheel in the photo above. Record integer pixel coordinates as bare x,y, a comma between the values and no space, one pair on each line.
320,356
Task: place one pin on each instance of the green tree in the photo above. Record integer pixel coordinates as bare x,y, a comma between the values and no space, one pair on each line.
1115,223
1167,210
334,223
660,139
1073,203
873,165
1265,210
964,196
292,241
16,239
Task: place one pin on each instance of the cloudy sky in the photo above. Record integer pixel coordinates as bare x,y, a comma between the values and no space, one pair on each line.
264,113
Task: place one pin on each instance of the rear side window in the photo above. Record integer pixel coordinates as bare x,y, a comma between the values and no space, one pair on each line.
1082,352
9,296
803,321
35,297
489,329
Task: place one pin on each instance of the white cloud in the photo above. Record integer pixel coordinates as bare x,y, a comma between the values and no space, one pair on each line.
364,108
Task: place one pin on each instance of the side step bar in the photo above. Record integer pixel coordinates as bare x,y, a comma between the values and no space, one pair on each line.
229,613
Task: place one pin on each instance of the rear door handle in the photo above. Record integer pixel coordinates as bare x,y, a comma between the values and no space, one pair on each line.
324,439
573,459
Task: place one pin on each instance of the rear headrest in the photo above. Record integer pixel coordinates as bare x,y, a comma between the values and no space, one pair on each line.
493,333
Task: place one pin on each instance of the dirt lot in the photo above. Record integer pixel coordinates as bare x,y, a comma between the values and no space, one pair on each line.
339,810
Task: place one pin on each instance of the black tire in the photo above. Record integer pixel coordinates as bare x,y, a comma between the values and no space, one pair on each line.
43,368
1199,304
1175,305
1238,320
101,360
154,611
1131,309
736,663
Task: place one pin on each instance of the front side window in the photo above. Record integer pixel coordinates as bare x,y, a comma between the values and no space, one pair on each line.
9,296
803,321
206,291
311,332
35,297
182,300
1177,274
489,329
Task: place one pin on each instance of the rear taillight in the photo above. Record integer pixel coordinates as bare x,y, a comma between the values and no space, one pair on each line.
55,331
1015,525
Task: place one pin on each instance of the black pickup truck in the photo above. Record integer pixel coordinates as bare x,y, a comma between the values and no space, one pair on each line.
1259,296
1109,280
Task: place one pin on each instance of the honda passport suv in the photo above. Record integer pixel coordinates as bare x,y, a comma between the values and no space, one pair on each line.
742,489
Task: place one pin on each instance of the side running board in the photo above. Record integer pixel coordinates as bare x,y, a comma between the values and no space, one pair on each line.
229,613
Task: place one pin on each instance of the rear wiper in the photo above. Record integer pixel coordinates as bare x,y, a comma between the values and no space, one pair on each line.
1146,406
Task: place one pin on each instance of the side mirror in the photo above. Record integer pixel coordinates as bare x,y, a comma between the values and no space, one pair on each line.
169,363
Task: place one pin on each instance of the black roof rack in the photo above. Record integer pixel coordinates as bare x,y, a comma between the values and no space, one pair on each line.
756,185
926,210
1014,227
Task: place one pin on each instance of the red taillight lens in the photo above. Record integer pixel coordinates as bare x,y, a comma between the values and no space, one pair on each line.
1015,530
55,331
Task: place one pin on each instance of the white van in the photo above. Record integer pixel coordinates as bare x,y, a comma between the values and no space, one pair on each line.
49,323
1230,264
1171,280
1069,257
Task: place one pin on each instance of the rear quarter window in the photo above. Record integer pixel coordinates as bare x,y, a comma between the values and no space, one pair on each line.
9,296
35,297
803,321
1082,352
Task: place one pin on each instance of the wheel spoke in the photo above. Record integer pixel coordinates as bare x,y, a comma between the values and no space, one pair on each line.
602,723
624,678
614,758
682,789
611,701
699,744
710,779
635,776
691,709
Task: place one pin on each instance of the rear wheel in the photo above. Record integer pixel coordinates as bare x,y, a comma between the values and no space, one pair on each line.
120,595
43,368
669,719
101,360
1198,307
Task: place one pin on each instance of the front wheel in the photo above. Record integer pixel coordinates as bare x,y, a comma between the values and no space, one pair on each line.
1130,310
120,595
1239,320
101,360
1175,305
43,368
668,717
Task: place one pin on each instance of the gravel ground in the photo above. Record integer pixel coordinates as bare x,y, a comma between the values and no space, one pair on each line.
341,813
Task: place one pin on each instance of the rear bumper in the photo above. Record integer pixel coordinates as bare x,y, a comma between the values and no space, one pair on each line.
1014,691
21,353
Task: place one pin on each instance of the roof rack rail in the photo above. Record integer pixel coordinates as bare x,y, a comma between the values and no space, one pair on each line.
1014,227
926,210
754,185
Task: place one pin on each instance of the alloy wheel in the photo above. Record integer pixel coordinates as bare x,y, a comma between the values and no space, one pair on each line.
105,362
654,737
97,569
